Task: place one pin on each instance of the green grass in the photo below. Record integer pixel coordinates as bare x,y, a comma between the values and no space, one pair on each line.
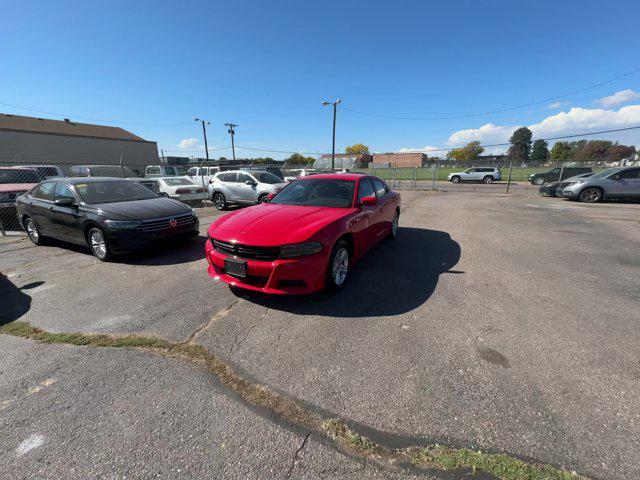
518,174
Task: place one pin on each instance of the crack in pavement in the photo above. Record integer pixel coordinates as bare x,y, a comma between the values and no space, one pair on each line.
433,458
217,316
294,459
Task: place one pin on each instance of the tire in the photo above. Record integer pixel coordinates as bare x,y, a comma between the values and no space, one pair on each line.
33,232
99,244
455,179
538,181
591,195
219,201
337,280
263,199
394,226
487,179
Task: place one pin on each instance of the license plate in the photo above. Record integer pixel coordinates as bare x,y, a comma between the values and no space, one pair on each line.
237,268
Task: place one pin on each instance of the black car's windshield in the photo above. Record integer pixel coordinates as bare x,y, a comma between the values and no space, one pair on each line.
266,177
322,192
10,175
114,191
606,173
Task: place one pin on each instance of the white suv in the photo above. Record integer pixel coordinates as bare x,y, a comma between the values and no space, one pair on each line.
243,187
478,174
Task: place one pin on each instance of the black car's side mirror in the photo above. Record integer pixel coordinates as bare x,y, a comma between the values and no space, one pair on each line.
65,202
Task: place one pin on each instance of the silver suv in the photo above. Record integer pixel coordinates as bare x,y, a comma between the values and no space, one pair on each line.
479,174
242,187
618,182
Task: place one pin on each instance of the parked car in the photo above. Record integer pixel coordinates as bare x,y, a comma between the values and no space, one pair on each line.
242,187
14,181
553,175
165,171
618,182
109,215
302,172
306,238
554,189
277,171
478,174
202,175
181,189
118,171
47,171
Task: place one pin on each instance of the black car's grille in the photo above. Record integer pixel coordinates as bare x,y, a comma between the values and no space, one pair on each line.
246,251
167,223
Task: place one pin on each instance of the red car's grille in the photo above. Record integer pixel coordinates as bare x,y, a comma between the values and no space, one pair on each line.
245,251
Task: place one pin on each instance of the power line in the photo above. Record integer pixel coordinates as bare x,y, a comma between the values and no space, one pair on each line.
506,109
79,117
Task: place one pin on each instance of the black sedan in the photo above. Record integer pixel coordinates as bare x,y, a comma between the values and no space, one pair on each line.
110,215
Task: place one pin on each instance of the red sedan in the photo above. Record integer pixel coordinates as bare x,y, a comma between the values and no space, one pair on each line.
306,238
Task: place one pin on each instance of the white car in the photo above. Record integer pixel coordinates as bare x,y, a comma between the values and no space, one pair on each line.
180,188
303,172
202,175
479,174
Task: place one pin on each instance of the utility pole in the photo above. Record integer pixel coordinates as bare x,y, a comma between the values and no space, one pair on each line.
204,133
206,150
333,143
232,132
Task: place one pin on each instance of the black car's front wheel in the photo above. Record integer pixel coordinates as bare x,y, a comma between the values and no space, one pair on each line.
339,263
33,232
99,244
538,180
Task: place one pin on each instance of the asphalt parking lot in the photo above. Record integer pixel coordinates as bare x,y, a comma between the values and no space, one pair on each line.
500,323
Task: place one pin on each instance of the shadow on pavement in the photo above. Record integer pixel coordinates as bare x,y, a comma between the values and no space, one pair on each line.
394,277
168,253
14,303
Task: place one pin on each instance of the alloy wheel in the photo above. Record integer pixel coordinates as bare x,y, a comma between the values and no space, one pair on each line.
340,266
264,199
32,231
98,244
218,200
488,179
455,179
590,195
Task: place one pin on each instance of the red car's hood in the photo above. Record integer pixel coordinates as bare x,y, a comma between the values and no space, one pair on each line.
271,225
16,187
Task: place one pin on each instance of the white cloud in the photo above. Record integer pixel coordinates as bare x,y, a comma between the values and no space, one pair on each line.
188,143
618,98
576,120
556,105
428,148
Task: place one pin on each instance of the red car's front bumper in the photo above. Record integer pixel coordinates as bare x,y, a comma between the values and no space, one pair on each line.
299,275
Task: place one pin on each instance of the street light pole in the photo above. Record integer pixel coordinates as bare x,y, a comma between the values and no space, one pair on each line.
333,143
204,133
232,133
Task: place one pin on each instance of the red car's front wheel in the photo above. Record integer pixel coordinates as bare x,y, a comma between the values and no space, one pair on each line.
339,263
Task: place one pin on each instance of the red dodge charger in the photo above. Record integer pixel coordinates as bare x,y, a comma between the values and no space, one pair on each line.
306,238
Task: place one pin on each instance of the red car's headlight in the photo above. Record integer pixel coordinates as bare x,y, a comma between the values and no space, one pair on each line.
297,250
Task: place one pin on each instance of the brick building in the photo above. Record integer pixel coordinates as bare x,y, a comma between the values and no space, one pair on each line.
400,159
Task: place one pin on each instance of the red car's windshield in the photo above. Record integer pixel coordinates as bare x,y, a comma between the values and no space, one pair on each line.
322,192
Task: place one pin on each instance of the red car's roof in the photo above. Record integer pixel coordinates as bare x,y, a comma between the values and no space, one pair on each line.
335,176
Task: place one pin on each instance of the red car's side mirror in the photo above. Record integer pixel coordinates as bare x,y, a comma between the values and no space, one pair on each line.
368,201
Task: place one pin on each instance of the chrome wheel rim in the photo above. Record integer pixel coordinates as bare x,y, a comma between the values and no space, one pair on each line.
98,244
340,266
219,201
394,225
591,195
455,179
32,231
539,181
264,199
488,180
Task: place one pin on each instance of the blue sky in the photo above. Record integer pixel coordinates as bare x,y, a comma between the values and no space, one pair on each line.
267,66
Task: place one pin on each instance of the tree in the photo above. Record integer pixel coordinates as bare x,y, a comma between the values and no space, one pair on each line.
593,150
620,152
357,149
540,151
471,151
297,158
520,145
560,151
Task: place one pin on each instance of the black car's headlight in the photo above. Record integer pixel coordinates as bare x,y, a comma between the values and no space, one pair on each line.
299,249
122,224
